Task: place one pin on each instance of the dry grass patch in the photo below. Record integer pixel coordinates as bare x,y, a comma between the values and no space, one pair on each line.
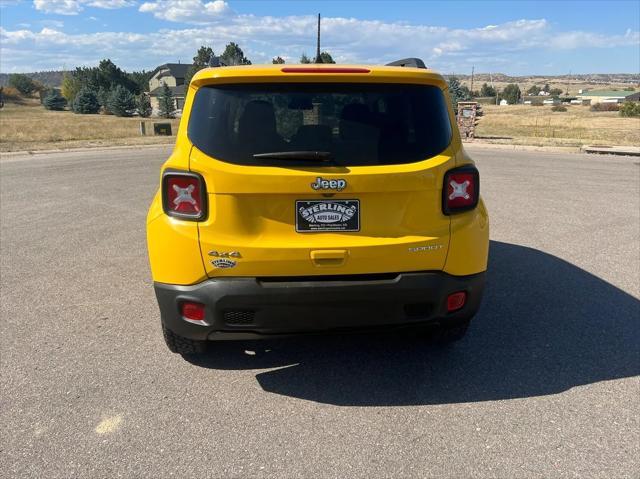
31,127
575,127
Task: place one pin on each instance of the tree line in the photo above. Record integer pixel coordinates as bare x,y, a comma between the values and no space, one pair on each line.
108,89
511,93
233,55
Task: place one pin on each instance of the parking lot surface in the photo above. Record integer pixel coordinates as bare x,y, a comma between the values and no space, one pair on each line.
544,385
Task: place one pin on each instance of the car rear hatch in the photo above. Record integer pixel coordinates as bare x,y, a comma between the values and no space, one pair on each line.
321,178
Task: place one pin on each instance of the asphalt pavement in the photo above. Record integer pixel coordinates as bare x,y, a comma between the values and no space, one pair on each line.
544,385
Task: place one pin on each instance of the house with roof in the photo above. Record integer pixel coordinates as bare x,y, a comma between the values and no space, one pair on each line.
172,75
606,96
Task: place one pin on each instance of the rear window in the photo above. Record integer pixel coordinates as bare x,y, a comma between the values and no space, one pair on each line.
327,123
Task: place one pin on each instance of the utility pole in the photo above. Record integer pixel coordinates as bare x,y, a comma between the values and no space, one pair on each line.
491,80
472,68
318,58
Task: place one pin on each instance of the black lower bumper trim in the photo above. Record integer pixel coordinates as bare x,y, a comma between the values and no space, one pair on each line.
251,307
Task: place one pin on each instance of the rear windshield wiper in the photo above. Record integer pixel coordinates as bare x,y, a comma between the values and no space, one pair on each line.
296,155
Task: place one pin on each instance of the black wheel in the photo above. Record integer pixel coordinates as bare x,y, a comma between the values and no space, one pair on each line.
180,345
452,333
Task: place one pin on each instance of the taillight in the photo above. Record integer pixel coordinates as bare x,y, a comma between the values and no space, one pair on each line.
184,195
461,190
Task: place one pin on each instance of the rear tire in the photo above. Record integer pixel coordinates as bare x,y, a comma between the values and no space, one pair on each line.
452,333
180,345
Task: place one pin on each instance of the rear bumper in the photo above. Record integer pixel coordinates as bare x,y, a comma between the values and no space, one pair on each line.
242,308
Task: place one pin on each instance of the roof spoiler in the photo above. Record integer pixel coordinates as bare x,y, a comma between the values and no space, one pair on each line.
216,62
407,62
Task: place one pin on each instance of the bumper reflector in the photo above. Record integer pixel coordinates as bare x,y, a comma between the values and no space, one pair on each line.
192,311
455,301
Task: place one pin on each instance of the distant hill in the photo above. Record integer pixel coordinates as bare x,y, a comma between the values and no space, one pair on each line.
50,78
592,78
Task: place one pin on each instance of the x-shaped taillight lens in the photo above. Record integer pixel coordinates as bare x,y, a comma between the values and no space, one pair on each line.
461,190
184,195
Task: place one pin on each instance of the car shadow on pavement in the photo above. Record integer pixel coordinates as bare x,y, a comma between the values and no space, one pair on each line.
545,326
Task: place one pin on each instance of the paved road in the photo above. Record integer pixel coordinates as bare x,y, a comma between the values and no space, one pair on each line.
545,385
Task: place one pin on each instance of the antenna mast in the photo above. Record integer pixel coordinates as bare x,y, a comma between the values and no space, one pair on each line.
318,58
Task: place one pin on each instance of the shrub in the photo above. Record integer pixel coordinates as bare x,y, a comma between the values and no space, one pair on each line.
121,101
605,107
487,90
86,102
143,105
54,101
10,94
558,108
25,85
534,90
630,109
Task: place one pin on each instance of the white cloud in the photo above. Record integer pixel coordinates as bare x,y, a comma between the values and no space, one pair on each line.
502,46
52,23
110,4
61,7
73,7
187,11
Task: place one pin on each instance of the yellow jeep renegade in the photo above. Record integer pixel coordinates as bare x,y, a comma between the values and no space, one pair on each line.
315,198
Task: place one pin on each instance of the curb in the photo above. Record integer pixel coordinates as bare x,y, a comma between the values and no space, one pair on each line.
5,154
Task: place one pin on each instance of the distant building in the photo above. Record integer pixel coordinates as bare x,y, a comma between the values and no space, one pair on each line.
606,96
172,75
633,97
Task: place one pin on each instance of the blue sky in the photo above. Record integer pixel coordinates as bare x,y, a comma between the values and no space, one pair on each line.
513,37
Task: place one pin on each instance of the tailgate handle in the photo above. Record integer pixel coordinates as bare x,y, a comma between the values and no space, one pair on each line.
329,257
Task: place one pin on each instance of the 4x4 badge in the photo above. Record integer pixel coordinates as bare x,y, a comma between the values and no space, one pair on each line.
322,184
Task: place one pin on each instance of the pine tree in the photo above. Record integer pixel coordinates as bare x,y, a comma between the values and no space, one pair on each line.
86,102
277,60
305,59
103,95
166,103
233,55
325,57
200,61
457,92
54,101
143,105
121,101
25,85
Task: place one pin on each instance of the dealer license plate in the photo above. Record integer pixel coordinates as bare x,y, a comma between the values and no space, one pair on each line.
327,215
